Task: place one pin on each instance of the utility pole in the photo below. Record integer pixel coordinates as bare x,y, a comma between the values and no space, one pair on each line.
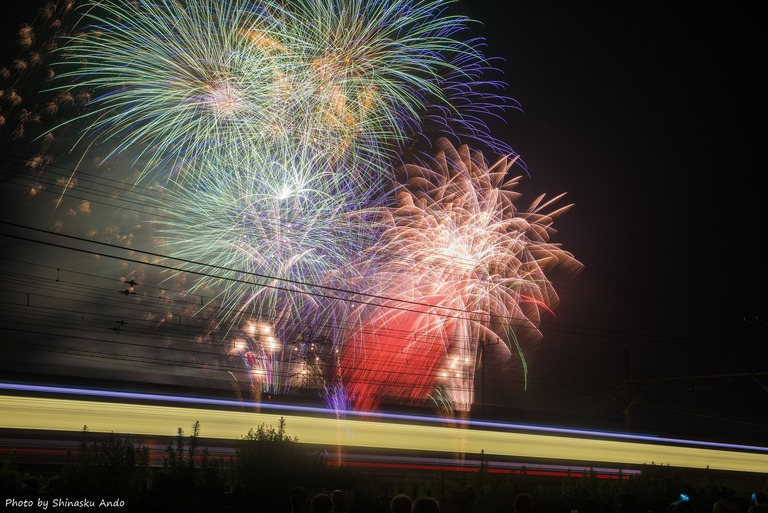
480,361
627,389
483,373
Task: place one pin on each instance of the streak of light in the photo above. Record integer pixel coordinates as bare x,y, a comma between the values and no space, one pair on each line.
55,447
43,413
209,401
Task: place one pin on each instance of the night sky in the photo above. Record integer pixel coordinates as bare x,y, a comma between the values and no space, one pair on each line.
641,114
650,119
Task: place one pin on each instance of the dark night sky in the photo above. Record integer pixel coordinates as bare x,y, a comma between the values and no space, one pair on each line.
642,115
649,117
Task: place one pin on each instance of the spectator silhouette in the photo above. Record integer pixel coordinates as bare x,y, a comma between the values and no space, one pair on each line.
425,505
400,503
627,503
589,505
298,497
339,501
523,503
725,504
322,503
760,503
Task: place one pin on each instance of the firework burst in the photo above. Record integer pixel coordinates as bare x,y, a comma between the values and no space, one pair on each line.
179,82
267,233
272,364
468,266
173,81
375,73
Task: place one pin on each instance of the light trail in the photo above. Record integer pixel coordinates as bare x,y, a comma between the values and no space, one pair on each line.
409,463
26,412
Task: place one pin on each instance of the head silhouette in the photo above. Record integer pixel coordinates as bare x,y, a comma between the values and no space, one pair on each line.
425,505
400,503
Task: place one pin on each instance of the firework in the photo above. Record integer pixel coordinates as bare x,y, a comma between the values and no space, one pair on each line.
267,233
354,81
27,112
468,267
172,81
260,138
375,74
266,357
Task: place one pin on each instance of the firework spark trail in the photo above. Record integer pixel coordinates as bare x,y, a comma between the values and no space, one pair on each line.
276,226
274,366
179,82
26,111
378,71
394,356
173,81
467,248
